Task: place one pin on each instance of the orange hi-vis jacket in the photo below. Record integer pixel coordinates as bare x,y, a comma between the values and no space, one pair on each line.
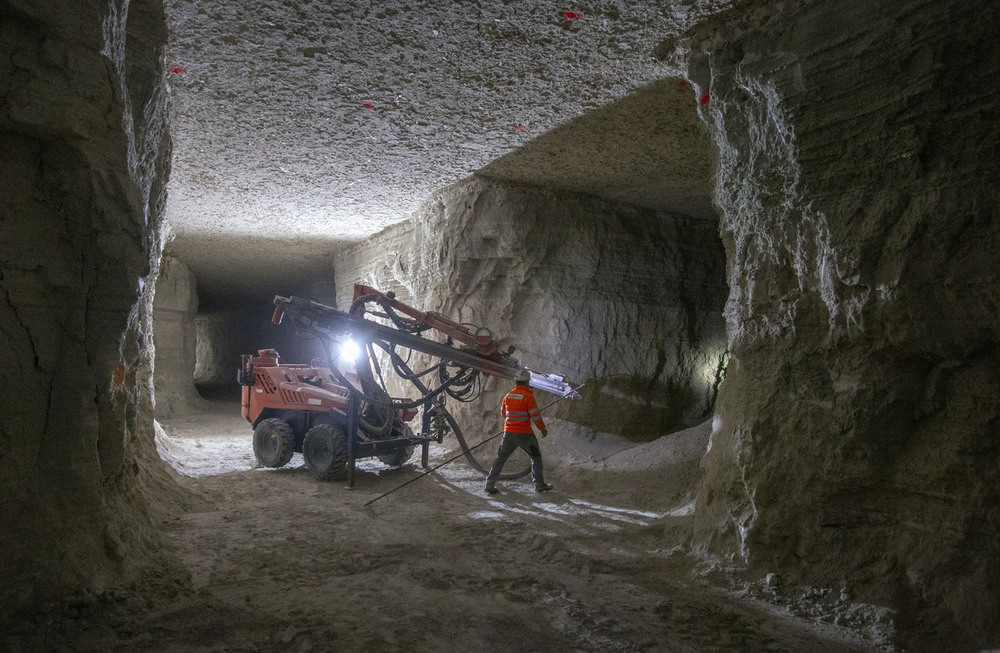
519,410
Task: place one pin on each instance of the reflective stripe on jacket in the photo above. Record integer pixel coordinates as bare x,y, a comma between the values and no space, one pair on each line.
519,410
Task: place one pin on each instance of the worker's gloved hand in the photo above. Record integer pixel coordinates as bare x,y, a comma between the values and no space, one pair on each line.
544,431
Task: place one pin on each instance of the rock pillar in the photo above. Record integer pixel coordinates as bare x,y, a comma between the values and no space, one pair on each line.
85,154
857,434
175,336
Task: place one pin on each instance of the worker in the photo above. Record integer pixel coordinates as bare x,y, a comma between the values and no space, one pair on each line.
519,412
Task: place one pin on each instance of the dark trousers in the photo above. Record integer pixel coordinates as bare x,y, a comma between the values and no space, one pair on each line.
511,442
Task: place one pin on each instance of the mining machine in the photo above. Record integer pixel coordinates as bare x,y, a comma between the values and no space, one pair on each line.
334,416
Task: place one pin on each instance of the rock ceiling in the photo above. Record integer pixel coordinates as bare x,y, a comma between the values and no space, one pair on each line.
302,126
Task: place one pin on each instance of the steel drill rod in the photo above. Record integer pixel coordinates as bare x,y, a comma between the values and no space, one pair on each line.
432,469
437,467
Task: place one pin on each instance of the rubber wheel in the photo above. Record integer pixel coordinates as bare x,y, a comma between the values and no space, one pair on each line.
325,451
273,442
399,456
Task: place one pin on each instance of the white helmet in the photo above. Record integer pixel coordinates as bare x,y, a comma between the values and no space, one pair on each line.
523,376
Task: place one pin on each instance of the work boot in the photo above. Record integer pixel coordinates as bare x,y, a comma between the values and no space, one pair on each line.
491,489
544,487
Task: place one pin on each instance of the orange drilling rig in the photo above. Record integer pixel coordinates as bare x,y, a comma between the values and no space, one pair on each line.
333,416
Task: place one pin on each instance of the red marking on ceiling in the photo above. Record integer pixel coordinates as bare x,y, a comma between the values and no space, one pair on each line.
368,105
572,15
518,126
682,83
705,98
177,70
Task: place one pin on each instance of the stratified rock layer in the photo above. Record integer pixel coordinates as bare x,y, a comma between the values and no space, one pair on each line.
626,300
85,151
857,437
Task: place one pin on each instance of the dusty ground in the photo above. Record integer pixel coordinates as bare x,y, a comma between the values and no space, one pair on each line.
277,561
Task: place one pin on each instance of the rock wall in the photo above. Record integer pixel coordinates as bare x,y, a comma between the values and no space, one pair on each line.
175,306
85,152
220,335
627,300
857,433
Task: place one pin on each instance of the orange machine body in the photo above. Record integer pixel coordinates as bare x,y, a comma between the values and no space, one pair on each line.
277,386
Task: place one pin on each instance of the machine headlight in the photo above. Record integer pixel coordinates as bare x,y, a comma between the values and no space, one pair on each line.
349,351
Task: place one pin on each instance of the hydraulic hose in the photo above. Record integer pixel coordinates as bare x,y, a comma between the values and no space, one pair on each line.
463,378
368,399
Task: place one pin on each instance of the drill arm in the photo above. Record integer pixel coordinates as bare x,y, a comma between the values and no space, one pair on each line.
311,315
480,353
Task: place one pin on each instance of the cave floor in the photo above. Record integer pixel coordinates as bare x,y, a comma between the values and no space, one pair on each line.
274,560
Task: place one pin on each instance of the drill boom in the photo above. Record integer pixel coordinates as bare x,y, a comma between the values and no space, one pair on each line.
482,354
310,314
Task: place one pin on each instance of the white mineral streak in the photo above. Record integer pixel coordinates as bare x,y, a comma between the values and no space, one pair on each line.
145,141
765,209
745,515
145,160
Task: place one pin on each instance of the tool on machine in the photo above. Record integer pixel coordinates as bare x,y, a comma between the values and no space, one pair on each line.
334,417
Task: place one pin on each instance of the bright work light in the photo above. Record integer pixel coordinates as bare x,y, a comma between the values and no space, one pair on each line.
349,350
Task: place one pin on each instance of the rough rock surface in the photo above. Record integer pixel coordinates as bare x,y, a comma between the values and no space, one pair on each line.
625,300
175,337
856,440
650,149
84,155
303,125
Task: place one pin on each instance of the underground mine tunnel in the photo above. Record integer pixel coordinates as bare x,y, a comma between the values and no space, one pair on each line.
762,234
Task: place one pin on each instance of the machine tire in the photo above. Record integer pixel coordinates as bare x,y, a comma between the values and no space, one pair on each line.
325,451
399,456
273,442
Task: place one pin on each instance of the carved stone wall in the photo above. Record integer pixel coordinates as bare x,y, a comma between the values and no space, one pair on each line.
857,433
175,306
85,156
626,300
